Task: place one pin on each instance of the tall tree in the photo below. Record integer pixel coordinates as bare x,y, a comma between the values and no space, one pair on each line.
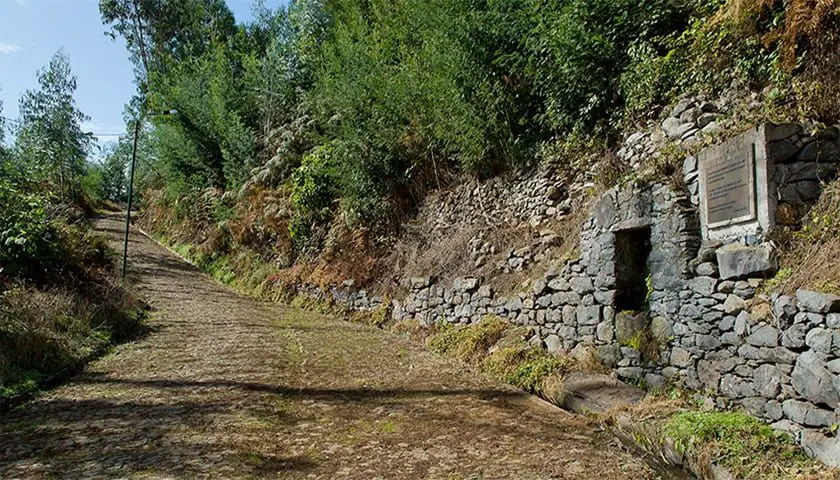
2,126
192,57
161,33
50,142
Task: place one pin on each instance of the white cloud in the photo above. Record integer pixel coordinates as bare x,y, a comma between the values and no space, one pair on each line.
9,48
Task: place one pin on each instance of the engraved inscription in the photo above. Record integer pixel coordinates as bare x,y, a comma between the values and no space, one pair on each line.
729,179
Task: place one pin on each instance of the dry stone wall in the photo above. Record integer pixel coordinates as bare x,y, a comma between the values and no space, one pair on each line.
522,204
651,300
527,196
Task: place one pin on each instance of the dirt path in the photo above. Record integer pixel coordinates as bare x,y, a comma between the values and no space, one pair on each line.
230,387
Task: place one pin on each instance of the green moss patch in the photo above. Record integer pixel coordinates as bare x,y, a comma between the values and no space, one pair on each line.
742,444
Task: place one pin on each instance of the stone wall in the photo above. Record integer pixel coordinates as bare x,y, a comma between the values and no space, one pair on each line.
702,322
498,226
525,197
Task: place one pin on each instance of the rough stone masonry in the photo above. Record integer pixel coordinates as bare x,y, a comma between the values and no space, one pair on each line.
653,299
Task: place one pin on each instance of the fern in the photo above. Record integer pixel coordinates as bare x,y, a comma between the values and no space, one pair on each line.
804,21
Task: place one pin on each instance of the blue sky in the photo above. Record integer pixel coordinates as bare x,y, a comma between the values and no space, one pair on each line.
31,31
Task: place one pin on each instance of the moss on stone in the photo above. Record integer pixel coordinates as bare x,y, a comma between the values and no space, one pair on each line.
738,442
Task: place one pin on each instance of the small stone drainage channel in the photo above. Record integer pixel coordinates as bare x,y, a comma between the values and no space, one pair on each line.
588,394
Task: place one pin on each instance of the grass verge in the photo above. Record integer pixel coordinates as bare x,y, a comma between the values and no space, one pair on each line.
54,324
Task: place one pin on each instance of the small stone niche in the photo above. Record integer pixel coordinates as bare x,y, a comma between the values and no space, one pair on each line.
632,250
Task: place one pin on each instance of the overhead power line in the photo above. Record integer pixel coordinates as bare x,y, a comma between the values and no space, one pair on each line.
95,134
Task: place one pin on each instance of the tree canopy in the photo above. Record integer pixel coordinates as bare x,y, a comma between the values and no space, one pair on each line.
356,106
50,143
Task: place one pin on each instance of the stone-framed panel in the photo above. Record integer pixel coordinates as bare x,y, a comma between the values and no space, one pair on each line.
729,183
737,194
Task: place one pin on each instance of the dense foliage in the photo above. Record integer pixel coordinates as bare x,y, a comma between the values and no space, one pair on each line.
356,108
24,230
59,300
42,172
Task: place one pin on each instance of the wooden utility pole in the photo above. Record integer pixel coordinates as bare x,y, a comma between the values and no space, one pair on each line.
137,125
130,194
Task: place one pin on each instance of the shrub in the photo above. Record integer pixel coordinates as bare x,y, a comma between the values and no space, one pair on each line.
315,188
524,366
476,340
530,375
26,238
314,183
578,50
445,341
468,343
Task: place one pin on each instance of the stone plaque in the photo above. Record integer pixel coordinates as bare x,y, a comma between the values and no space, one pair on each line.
729,179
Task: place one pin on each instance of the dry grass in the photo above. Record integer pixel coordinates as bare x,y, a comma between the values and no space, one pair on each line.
423,252
805,21
347,253
46,328
416,254
260,221
510,238
654,406
812,255
231,231
568,230
411,330
610,171
818,85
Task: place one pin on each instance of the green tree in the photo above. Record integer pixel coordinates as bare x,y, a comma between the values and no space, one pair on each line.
577,50
192,57
113,171
360,104
161,33
3,151
50,144
2,127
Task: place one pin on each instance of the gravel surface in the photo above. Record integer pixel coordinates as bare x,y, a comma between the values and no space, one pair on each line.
231,387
